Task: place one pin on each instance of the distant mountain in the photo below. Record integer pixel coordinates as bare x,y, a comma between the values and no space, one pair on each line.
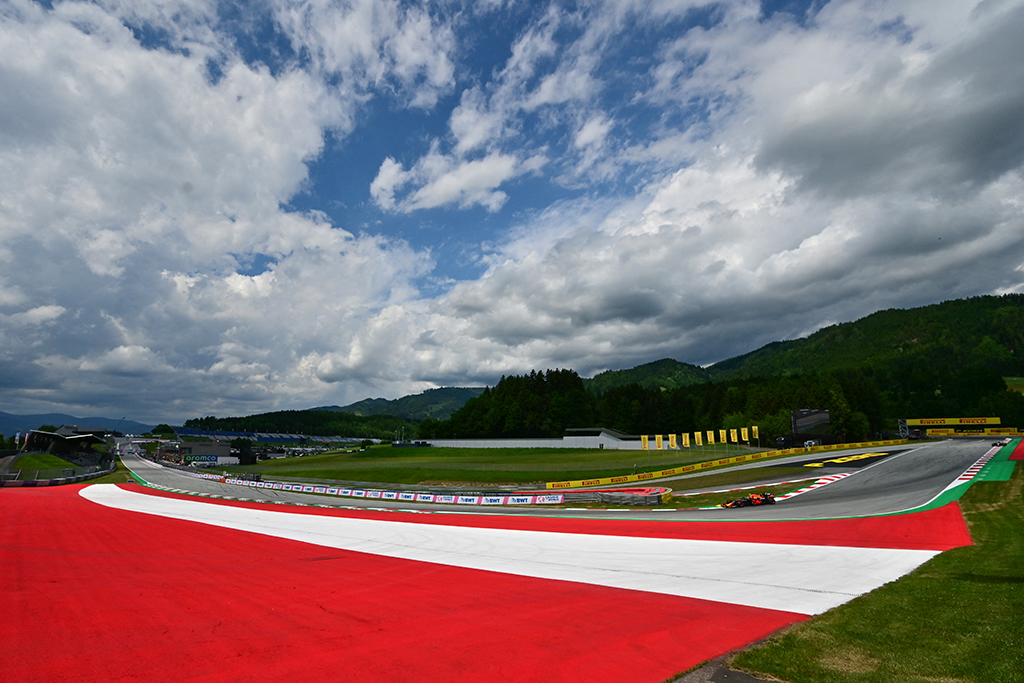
12,424
437,404
954,334
661,374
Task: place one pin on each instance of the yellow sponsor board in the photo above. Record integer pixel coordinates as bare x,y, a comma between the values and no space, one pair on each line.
686,440
686,469
952,421
696,439
744,434
711,437
644,442
754,431
660,440
672,441
733,436
980,431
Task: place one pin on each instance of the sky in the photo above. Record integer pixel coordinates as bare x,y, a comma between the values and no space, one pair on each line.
221,208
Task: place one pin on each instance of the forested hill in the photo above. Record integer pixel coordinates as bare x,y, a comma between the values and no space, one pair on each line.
310,423
661,374
954,334
946,360
437,404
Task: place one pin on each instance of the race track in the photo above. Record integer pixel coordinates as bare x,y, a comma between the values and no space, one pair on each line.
154,585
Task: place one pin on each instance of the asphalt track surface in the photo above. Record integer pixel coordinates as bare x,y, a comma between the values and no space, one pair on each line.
108,583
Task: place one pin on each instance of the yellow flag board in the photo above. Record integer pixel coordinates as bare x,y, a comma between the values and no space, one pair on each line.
711,437
745,433
696,439
721,436
686,440
660,441
672,441
733,436
754,428
644,442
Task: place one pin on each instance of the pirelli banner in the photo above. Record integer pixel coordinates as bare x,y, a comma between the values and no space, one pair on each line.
974,431
953,421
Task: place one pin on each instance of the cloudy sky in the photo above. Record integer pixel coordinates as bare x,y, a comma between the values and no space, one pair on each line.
223,208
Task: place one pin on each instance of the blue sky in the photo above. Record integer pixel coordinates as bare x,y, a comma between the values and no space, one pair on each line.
231,208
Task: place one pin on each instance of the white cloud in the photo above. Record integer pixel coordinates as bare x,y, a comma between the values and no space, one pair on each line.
756,179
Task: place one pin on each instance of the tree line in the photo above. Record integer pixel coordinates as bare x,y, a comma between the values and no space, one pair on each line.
863,403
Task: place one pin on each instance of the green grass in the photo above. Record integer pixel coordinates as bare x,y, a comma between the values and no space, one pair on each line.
479,465
958,619
720,478
1014,383
709,499
40,461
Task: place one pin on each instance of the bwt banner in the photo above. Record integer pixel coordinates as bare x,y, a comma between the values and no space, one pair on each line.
443,498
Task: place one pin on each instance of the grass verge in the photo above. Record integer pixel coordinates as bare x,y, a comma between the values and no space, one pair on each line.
40,461
958,619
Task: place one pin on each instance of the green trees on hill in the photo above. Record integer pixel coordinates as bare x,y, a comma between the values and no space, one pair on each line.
310,423
541,404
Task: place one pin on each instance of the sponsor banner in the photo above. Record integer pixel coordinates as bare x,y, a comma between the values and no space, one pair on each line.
358,493
721,436
981,431
686,440
319,489
672,441
406,495
200,458
446,498
734,436
696,439
390,495
711,437
277,486
492,500
659,440
306,489
644,442
520,500
332,491
549,499
425,497
944,421
469,500
745,434
373,494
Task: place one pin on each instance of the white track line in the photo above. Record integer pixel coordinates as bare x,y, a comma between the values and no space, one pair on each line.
795,578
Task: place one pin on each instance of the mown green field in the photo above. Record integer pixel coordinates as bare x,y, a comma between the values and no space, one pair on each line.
479,465
958,619
40,461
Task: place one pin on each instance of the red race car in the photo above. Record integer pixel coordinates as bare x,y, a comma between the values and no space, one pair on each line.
752,499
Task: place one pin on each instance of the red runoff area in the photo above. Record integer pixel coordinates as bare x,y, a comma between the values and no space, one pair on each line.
1018,452
96,594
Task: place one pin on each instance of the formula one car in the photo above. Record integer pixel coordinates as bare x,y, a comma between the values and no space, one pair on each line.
752,499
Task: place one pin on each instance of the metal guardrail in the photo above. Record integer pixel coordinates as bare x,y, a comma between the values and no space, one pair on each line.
34,475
